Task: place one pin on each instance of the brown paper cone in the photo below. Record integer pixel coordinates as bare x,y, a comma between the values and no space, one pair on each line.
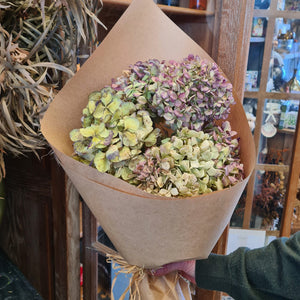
147,230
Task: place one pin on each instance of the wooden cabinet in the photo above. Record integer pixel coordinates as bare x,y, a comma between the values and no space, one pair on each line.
272,94
46,223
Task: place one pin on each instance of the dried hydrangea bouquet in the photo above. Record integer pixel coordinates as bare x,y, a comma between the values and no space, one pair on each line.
122,129
161,156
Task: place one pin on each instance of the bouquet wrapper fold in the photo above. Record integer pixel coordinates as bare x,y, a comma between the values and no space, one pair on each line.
147,230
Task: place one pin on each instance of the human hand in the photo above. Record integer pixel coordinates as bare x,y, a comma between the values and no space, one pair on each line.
184,268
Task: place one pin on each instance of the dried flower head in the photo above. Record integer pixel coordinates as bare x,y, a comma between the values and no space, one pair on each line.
191,163
113,132
192,93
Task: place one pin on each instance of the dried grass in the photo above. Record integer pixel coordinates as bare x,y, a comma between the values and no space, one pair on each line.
38,44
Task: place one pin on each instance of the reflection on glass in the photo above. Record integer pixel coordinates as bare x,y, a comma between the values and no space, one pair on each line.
296,213
289,114
268,200
262,4
288,5
278,131
250,107
284,70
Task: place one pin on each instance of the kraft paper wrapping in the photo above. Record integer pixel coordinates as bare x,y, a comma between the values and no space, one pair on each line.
147,230
169,287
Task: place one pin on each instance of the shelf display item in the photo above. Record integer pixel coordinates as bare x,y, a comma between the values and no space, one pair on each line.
268,130
290,121
276,73
261,4
286,41
250,106
198,4
251,120
289,114
282,115
293,85
292,5
285,34
269,199
251,80
168,2
258,27
281,5
272,114
284,62
272,111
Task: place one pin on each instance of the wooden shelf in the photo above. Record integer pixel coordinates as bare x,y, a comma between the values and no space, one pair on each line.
123,4
286,130
250,94
267,13
272,167
272,95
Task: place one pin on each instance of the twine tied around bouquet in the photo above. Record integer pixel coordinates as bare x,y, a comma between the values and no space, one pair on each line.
142,283
120,264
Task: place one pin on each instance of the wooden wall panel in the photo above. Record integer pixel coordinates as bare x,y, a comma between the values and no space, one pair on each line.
40,228
26,231
90,256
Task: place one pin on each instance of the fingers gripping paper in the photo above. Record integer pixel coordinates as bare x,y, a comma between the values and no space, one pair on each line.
147,230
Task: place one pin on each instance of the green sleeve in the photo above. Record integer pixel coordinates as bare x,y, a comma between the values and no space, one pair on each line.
271,272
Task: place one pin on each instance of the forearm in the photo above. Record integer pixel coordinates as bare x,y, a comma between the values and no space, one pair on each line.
272,272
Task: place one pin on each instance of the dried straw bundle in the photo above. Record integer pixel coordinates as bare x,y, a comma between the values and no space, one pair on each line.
38,42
